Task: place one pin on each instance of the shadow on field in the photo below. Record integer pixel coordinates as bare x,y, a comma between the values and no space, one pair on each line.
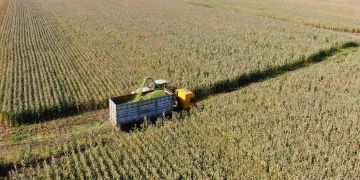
229,85
4,170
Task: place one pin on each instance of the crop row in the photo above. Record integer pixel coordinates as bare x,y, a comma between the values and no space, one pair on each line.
302,124
334,15
63,57
3,7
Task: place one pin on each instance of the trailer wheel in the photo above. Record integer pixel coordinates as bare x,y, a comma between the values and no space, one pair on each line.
117,127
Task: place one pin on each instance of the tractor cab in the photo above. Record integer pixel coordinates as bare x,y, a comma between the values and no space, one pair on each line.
161,84
151,84
185,98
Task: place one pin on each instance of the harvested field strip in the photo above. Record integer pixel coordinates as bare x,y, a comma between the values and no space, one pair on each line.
64,148
52,133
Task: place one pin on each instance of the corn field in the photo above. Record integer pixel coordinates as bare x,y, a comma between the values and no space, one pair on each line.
61,57
278,100
3,7
339,15
300,125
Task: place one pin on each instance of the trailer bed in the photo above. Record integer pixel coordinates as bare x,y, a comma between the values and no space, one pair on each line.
124,111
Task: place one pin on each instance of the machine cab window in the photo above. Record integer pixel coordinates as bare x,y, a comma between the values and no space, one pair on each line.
161,84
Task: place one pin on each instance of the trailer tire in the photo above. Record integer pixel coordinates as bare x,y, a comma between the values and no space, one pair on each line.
117,127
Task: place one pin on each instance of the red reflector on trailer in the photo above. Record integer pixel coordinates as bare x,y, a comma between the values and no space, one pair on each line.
168,91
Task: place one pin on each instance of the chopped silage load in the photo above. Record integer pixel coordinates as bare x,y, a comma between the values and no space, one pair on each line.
150,95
